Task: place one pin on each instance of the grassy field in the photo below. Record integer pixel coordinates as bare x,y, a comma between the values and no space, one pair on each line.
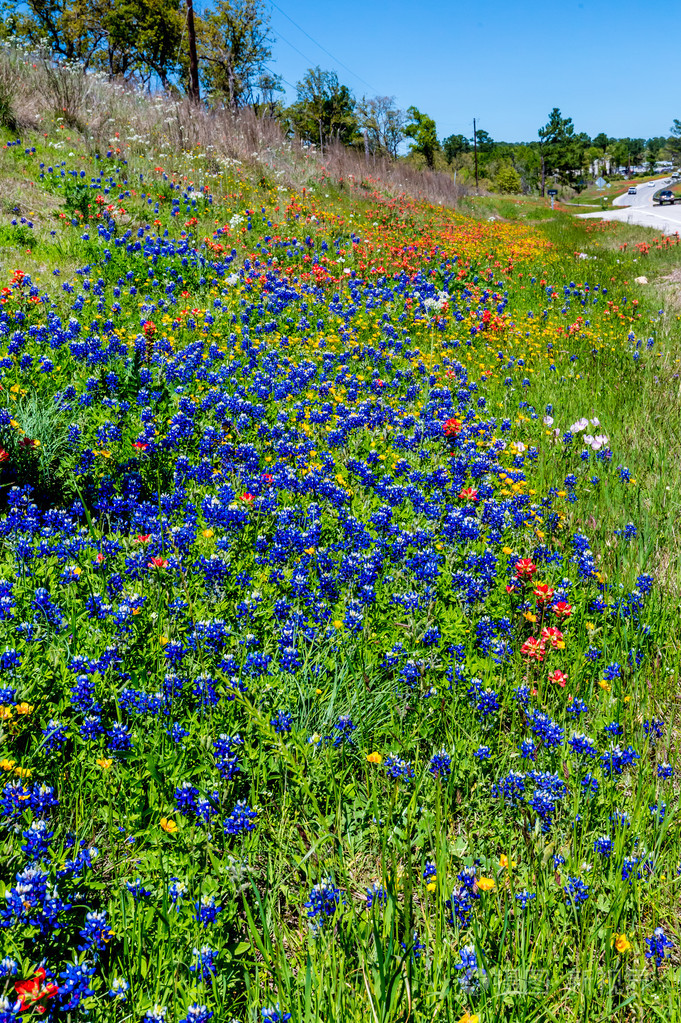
340,593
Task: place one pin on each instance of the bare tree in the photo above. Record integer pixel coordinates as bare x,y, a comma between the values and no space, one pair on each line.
382,124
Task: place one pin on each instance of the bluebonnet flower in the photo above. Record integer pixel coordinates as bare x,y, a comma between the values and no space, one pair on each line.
524,897
665,771
429,871
75,984
197,1014
226,758
137,889
603,845
416,947
282,722
344,729
204,962
483,753
323,903
397,768
440,764
96,932
658,943
576,891
658,812
55,734
207,910
241,819
156,1014
119,989
119,739
616,759
8,967
377,894
589,785
471,975
275,1015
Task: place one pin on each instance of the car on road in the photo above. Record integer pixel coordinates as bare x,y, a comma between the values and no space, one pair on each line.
666,195
631,191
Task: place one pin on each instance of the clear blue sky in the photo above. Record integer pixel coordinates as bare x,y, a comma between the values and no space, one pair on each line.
610,66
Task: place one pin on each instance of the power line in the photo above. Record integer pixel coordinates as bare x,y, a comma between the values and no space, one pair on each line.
327,52
289,43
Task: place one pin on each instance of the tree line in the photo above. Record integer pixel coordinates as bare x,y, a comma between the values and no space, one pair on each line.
223,56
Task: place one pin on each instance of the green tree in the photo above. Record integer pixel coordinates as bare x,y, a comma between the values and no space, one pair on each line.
142,40
507,179
324,110
422,131
601,141
234,44
485,141
455,145
654,147
674,141
553,140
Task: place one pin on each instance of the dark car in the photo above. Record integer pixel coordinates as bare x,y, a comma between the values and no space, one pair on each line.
666,195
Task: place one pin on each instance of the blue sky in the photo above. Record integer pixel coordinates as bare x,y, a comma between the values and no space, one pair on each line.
612,67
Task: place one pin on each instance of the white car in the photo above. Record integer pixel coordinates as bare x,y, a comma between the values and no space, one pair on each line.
631,191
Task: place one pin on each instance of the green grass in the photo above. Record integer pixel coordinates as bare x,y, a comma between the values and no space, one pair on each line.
323,809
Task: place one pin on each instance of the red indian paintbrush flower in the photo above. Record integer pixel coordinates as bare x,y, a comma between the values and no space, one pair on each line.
554,637
562,609
533,649
34,992
525,568
543,592
451,427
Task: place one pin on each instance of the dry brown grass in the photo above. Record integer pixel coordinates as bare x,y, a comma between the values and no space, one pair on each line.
34,93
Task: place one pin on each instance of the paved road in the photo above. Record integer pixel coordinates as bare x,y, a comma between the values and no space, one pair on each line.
639,209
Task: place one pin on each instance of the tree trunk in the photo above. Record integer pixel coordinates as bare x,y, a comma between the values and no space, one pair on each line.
543,174
194,92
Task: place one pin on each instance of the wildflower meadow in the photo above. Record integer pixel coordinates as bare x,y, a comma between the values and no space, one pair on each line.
338,621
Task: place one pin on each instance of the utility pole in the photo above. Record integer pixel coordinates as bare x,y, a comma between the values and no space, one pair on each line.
475,148
194,93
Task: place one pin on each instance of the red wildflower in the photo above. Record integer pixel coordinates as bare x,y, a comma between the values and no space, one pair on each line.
525,568
148,328
140,445
158,563
99,558
248,498
554,637
4,455
543,592
451,427
26,442
35,990
142,538
559,677
267,477
469,494
533,648
562,609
